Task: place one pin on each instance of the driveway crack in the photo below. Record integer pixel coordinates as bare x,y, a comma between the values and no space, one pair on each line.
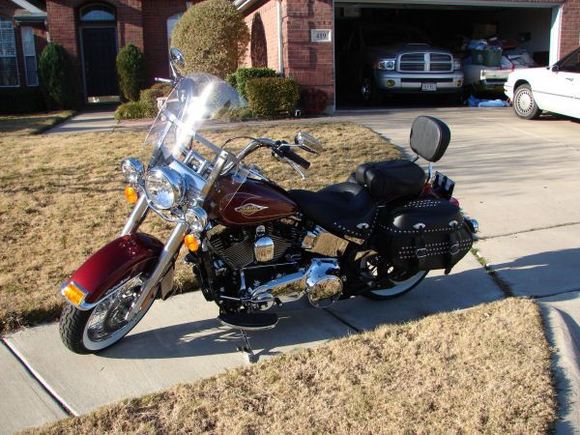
38,379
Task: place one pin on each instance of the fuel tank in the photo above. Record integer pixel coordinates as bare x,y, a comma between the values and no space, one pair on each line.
249,203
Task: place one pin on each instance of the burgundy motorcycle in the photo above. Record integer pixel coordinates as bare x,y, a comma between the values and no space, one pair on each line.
252,245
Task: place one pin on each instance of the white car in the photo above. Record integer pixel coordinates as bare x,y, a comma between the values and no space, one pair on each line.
555,89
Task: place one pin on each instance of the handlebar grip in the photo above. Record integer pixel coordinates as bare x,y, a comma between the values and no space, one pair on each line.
291,155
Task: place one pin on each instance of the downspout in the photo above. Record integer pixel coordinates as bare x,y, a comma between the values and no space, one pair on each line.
280,37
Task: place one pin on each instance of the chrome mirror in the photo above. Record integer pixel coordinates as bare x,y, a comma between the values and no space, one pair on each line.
176,57
308,143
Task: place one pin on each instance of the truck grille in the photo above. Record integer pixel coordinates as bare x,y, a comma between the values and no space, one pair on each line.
425,62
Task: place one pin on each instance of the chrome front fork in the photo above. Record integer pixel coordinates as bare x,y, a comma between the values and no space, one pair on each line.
168,252
171,247
136,217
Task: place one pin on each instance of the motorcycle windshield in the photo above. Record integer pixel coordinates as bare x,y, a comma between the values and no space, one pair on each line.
196,102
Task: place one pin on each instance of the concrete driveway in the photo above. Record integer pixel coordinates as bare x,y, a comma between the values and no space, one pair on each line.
518,178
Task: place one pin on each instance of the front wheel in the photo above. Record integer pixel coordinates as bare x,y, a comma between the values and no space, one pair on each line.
102,326
524,103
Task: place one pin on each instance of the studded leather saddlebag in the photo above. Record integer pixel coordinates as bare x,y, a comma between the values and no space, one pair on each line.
425,234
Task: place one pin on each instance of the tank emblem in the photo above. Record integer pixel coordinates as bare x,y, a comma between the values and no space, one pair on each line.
249,209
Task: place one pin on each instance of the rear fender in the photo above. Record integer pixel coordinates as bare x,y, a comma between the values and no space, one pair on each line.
119,259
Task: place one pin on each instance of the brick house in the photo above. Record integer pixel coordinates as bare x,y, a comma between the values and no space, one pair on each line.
299,38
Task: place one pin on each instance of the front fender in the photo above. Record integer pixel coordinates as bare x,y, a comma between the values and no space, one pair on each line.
115,261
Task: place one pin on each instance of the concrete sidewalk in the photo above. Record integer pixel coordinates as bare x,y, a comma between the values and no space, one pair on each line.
98,120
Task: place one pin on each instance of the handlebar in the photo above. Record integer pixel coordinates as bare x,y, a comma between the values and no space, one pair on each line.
286,152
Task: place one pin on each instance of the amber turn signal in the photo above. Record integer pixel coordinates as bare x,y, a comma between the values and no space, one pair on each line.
131,194
191,242
74,294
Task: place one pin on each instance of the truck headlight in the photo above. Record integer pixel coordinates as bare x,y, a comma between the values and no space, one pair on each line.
386,64
164,188
456,64
132,169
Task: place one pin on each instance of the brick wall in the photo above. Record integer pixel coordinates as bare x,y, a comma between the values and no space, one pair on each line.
570,35
268,14
155,15
310,63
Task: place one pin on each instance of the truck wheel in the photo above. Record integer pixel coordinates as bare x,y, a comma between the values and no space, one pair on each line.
524,103
367,91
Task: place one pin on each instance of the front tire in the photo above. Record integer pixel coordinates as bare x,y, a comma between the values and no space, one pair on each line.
104,325
525,105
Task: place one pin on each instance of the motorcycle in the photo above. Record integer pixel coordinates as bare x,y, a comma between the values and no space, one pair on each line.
252,245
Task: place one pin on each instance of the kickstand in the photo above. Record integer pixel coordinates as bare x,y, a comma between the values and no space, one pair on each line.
246,349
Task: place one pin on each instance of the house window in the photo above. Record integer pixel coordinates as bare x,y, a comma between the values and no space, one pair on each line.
171,22
97,13
29,50
8,61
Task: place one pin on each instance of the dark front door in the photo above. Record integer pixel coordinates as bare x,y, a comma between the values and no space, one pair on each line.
99,52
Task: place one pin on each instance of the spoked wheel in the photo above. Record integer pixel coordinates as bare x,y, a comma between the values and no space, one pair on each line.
387,281
104,325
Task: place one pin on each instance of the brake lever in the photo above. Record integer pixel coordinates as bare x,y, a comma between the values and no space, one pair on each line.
295,167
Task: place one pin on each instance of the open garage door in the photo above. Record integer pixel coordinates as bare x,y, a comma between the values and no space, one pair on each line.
421,49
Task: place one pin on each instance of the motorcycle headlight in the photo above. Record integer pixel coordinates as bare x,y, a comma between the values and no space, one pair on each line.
386,64
164,188
196,218
132,169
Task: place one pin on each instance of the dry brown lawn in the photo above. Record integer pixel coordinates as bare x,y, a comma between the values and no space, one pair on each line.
482,370
61,199
30,124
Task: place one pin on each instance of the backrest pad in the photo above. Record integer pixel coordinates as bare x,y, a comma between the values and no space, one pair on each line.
429,137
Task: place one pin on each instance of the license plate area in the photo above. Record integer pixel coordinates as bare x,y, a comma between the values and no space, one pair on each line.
429,87
443,185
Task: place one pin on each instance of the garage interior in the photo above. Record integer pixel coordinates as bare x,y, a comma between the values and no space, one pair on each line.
443,26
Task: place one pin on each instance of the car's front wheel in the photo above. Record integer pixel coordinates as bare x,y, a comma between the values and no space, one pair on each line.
525,104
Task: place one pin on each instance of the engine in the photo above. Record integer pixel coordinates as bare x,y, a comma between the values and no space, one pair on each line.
243,247
265,264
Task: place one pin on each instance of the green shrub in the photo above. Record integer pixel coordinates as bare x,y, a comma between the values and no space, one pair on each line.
21,100
236,114
57,78
213,37
130,72
146,107
242,75
232,80
149,96
130,110
270,97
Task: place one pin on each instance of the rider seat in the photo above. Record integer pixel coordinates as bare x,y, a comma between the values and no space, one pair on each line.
345,209
391,179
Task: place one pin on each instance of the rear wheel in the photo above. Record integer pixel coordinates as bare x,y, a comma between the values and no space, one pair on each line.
386,282
96,329
525,105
